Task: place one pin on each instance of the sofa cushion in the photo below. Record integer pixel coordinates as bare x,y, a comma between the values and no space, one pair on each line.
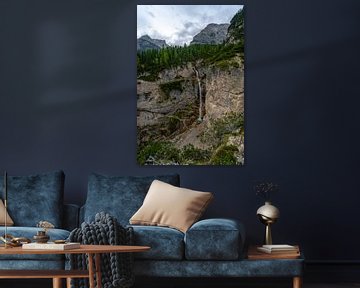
39,264
9,221
222,269
214,239
170,206
35,198
165,243
29,232
119,196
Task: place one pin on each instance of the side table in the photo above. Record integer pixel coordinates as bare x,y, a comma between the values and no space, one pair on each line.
289,261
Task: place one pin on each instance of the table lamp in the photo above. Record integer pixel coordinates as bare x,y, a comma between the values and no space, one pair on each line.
268,214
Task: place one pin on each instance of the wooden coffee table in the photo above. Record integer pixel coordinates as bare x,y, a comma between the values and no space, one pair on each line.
92,251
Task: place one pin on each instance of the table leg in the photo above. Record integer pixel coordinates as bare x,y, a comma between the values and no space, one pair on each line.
297,282
91,270
98,270
57,283
68,282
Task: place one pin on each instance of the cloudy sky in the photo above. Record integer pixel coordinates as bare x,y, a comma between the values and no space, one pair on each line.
177,24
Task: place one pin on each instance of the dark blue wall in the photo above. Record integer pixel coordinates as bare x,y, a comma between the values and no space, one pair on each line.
68,101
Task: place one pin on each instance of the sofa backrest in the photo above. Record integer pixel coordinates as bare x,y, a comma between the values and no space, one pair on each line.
35,198
120,196
70,219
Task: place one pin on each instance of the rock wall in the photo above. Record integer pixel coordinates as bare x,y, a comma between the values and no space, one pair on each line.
168,109
224,92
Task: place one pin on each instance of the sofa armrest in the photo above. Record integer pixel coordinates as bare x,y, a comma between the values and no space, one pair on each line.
71,216
215,239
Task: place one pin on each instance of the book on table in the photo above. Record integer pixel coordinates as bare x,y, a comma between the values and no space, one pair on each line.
51,246
255,254
278,249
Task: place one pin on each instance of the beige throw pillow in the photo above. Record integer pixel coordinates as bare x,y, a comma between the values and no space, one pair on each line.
170,206
9,221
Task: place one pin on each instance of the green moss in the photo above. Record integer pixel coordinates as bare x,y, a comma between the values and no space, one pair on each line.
220,129
226,53
223,65
157,151
192,155
226,64
167,87
229,124
149,78
224,155
166,153
173,123
161,152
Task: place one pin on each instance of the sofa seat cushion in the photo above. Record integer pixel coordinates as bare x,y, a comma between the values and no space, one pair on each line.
29,232
166,243
120,196
35,198
213,269
39,264
214,239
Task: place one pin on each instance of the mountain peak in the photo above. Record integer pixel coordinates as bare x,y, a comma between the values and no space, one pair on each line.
236,29
145,42
212,34
145,37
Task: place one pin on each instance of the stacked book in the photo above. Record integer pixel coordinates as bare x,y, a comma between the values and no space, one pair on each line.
273,252
51,246
279,249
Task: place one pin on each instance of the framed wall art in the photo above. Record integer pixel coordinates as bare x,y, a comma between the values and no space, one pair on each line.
190,84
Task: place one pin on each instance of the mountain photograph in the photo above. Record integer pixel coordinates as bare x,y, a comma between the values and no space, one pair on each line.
190,85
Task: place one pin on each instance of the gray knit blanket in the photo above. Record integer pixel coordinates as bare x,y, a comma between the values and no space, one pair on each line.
116,268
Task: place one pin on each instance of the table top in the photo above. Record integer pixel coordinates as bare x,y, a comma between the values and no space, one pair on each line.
91,249
253,254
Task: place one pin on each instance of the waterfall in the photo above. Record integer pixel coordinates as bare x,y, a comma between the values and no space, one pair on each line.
200,95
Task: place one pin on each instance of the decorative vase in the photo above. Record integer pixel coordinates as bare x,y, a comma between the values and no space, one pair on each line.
41,237
268,214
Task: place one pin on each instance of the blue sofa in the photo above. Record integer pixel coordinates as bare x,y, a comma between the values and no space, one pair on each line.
32,199
210,248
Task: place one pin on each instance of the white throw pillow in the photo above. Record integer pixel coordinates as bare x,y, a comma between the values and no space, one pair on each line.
170,206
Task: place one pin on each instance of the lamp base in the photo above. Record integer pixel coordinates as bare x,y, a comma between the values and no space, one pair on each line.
268,237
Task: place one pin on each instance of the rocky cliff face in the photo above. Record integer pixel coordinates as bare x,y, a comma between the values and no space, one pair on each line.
146,42
211,34
168,109
224,92
235,31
